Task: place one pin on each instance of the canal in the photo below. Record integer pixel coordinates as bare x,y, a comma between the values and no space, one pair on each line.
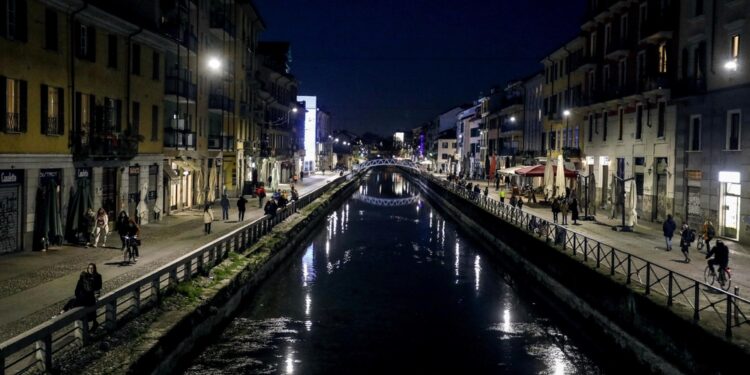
388,285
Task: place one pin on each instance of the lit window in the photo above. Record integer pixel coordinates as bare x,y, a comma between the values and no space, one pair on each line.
735,46
663,58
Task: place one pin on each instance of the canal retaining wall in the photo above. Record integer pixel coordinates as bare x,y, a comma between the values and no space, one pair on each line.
202,307
644,330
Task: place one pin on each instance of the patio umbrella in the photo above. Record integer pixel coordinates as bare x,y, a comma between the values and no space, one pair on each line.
80,201
142,206
549,180
47,221
592,192
487,166
632,205
211,186
560,177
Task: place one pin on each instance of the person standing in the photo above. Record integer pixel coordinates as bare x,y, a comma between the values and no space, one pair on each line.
90,226
134,232
668,228
88,289
486,192
555,209
121,225
270,180
687,236
574,210
708,233
502,196
564,210
497,181
224,207
261,193
241,207
208,217
295,194
520,202
513,201
102,227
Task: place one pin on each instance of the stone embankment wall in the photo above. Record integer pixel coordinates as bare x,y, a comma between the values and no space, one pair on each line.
651,333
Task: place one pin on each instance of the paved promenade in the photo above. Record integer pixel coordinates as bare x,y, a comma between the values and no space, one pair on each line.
35,285
646,241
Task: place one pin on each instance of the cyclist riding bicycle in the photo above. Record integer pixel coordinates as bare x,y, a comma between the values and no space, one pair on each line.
720,252
133,231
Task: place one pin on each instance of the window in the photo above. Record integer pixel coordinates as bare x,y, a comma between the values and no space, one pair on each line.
592,47
13,22
605,78
136,119
622,77
112,114
592,82
13,105
155,67
735,47
620,119
154,123
50,30
663,58
661,120
445,145
699,61
136,59
112,51
454,145
733,130
697,8
640,66
591,127
85,40
695,133
624,27
642,18
605,117
52,108
607,37
638,121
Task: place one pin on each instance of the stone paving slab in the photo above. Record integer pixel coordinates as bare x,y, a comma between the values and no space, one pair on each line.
35,285
647,242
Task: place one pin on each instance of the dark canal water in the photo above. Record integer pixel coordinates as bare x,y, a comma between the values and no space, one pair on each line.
389,286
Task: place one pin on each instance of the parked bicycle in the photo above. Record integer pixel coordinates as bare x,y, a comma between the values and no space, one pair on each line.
723,277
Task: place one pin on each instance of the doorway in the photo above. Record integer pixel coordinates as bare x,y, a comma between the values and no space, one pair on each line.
730,210
109,191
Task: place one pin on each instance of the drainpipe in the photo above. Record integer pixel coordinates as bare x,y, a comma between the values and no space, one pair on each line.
127,73
71,51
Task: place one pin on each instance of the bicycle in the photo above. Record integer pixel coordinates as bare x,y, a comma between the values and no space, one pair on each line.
128,255
724,277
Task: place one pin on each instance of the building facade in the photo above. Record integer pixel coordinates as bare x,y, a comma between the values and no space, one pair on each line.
534,136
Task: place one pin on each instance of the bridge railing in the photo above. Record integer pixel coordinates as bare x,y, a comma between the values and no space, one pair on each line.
38,349
706,302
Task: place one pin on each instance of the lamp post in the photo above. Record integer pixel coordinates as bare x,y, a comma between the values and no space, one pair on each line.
566,114
589,175
623,227
215,66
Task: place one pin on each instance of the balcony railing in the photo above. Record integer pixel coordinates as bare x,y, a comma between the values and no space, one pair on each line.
180,87
220,21
105,144
221,142
571,152
12,122
220,102
179,138
658,81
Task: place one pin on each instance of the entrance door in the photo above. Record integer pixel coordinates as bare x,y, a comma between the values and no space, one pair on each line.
605,185
659,211
730,210
10,218
109,191
639,194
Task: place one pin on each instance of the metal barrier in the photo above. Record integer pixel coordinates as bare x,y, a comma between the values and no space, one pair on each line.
705,301
36,350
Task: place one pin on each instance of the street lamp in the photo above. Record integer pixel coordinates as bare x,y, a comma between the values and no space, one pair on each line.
214,64
590,174
566,114
731,65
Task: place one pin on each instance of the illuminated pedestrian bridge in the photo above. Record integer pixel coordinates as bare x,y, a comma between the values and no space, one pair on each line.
387,202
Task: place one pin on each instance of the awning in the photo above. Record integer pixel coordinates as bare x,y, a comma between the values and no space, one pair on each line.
169,172
187,165
538,171
511,170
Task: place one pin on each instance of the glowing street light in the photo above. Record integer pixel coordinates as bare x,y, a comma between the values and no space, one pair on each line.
294,109
566,113
512,118
214,64
731,65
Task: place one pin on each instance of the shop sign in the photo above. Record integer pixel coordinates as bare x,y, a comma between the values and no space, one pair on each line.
49,173
82,173
134,171
11,176
694,175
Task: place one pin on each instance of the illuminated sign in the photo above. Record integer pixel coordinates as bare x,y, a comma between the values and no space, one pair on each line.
732,177
311,124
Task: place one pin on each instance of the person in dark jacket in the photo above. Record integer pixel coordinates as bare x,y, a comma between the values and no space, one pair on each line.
224,207
668,228
574,210
87,291
122,226
687,236
720,252
270,208
241,207
134,231
555,209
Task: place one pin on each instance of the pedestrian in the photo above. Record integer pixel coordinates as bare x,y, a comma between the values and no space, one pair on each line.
555,209
520,202
90,225
708,233
270,208
502,196
88,289
241,207
277,195
486,192
270,179
224,207
102,227
261,193
497,181
507,182
208,217
564,210
574,210
295,194
122,227
668,228
687,236
513,201
134,232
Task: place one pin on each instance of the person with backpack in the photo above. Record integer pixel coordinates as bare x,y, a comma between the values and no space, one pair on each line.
708,233
261,193
668,228
687,236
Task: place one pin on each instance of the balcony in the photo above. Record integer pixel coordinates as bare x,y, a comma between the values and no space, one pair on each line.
661,26
218,102
104,145
221,23
12,123
618,49
585,63
182,35
180,89
175,138
221,142
658,81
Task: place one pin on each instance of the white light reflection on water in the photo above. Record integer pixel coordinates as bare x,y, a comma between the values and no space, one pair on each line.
506,321
290,362
458,256
308,270
477,271
559,368
308,302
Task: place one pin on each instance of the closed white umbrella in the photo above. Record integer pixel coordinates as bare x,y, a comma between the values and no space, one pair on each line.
560,177
142,206
632,205
549,180
592,192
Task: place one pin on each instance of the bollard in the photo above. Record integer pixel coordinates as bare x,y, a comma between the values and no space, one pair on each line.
736,308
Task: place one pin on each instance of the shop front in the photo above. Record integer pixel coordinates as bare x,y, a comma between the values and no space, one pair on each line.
11,205
729,204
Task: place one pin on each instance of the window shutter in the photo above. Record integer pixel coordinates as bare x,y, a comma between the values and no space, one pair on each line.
91,43
77,120
24,118
60,111
92,113
44,100
3,17
21,21
77,39
3,105
118,115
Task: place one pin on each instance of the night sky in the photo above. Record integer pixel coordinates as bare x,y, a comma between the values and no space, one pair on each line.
383,65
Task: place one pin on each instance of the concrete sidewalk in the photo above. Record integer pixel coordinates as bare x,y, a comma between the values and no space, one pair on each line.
34,285
646,241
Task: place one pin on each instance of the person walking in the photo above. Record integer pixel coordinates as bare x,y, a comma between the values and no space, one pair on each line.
121,226
208,217
102,227
88,289
687,236
574,210
486,192
502,196
134,232
668,228
520,202
708,233
295,194
555,209
564,210
224,207
270,180
261,193
497,181
513,201
241,207
90,226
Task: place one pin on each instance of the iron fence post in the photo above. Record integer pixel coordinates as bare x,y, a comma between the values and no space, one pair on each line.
611,261
728,332
598,254
629,268
696,304
736,307
110,315
648,278
585,249
669,290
